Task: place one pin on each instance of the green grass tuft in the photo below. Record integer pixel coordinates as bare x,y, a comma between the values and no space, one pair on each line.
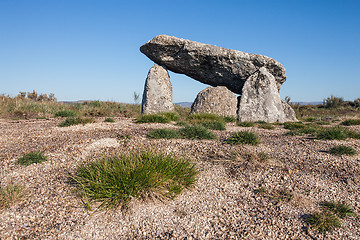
214,124
351,122
244,137
75,121
294,125
324,221
334,133
268,126
204,116
11,194
111,120
229,119
164,133
113,181
246,124
155,118
30,158
196,132
341,210
342,150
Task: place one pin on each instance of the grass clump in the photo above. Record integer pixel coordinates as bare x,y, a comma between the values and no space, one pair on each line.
164,133
153,118
294,125
204,116
196,132
341,210
324,221
11,194
244,137
113,181
268,126
350,122
246,124
30,158
111,120
342,150
334,133
214,124
75,121
66,113
229,119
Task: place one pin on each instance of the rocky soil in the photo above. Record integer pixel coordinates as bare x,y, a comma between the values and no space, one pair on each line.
225,203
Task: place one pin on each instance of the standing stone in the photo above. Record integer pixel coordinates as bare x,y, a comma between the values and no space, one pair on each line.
290,115
210,64
157,95
260,99
217,100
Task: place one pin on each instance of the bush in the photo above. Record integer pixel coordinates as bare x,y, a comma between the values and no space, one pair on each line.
30,158
246,124
294,125
196,132
113,181
173,116
111,120
350,122
214,124
243,137
11,194
75,121
66,113
164,133
341,150
333,102
335,133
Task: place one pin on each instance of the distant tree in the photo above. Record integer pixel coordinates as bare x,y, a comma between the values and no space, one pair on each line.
136,97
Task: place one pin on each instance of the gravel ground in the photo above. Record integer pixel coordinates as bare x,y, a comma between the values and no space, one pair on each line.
224,204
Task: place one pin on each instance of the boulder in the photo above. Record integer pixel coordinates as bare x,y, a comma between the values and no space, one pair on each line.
210,64
157,95
217,100
290,115
260,99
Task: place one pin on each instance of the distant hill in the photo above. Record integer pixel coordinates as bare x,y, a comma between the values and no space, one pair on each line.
184,104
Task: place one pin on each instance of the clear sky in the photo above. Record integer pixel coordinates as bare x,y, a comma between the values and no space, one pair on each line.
89,49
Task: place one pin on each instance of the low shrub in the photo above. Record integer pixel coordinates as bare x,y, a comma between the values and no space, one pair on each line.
203,116
111,120
75,121
350,122
310,119
246,124
294,125
342,150
173,116
113,181
11,194
244,137
30,158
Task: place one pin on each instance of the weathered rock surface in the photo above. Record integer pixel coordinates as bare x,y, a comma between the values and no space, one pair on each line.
290,115
210,64
217,100
260,99
157,95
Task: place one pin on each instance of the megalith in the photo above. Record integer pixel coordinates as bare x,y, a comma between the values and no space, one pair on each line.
157,96
218,100
212,65
260,99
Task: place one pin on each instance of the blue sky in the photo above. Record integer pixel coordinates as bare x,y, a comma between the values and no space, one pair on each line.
89,49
